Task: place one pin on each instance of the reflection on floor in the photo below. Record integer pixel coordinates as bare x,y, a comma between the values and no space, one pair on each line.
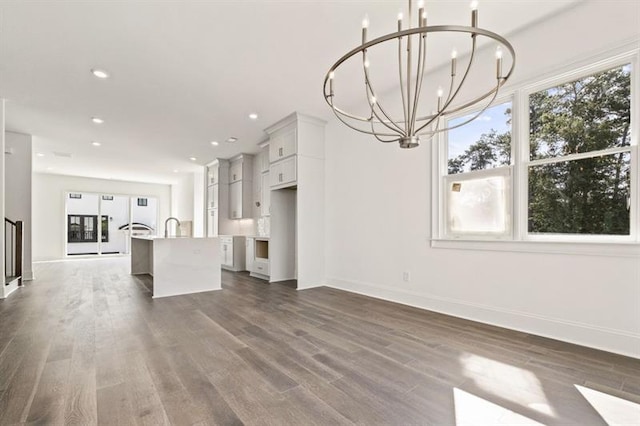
86,344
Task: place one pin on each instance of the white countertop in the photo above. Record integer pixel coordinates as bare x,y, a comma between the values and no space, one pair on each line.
157,237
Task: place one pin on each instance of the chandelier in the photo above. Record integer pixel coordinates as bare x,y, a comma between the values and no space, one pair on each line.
413,124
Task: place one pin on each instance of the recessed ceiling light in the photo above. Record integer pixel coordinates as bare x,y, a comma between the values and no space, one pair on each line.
232,139
214,143
175,171
39,154
253,116
192,158
97,120
96,143
49,168
100,73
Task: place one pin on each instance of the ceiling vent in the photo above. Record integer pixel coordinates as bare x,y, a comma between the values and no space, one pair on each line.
62,154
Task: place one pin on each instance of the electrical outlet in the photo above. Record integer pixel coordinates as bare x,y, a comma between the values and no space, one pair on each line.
406,276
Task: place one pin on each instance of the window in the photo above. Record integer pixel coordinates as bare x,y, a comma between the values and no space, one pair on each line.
142,202
579,171
84,229
476,188
562,166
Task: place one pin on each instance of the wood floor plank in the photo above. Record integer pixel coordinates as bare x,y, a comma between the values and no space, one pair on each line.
86,344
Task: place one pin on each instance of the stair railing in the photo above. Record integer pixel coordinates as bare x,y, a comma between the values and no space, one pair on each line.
13,250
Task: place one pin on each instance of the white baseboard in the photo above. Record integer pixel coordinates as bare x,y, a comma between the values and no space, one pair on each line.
611,340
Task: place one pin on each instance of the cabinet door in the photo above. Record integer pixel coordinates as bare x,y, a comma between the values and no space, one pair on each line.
264,159
226,255
212,223
214,196
235,171
249,253
275,148
212,175
289,143
283,172
235,200
265,202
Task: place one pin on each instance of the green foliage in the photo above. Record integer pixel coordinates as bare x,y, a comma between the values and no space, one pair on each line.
588,196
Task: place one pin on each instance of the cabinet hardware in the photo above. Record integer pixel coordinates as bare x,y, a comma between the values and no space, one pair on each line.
280,177
280,152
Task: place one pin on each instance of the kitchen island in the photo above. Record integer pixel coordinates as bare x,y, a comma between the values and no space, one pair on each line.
178,265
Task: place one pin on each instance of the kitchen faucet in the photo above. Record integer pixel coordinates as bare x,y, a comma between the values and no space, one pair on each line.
166,229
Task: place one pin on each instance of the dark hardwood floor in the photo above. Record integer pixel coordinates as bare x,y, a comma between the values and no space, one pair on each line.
86,344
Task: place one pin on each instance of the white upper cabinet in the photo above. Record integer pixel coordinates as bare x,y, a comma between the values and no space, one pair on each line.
265,202
283,173
264,159
212,174
241,188
235,200
235,171
283,145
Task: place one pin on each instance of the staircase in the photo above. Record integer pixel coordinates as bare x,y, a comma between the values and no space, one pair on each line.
13,250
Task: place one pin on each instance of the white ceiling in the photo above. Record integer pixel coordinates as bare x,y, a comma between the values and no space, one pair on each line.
184,73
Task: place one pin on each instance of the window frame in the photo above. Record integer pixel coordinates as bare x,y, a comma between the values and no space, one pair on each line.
521,239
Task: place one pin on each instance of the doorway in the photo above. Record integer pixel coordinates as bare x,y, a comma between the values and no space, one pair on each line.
102,224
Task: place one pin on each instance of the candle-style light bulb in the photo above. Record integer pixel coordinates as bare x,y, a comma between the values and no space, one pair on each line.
420,4
424,18
399,21
365,25
440,92
474,13
499,63
454,56
366,63
332,75
373,100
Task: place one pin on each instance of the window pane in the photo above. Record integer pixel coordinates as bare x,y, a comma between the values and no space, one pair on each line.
589,196
589,114
484,143
478,205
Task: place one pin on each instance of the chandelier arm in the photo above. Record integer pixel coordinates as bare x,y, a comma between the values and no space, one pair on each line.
338,113
472,55
492,93
493,98
451,96
404,105
376,135
370,90
422,55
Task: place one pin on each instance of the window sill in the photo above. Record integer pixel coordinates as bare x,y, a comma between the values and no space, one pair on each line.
615,249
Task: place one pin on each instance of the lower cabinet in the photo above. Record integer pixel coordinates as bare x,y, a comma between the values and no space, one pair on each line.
232,253
258,257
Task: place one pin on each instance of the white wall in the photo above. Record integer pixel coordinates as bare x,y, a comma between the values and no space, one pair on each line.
49,210
18,166
182,195
378,215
